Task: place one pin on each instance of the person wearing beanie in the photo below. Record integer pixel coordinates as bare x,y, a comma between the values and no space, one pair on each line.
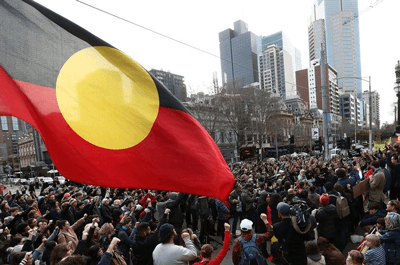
326,217
294,250
246,226
167,253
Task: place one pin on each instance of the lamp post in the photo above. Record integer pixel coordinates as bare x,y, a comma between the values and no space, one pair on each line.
370,104
397,90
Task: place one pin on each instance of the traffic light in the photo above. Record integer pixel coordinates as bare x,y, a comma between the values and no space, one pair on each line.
339,143
318,144
348,144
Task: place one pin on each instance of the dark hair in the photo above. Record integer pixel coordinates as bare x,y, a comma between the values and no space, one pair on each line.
58,253
341,173
373,205
287,185
395,204
312,248
21,228
324,245
93,253
381,221
275,199
375,163
356,256
17,258
142,228
73,260
60,223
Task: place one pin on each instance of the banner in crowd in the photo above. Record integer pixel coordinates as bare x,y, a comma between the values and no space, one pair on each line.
104,119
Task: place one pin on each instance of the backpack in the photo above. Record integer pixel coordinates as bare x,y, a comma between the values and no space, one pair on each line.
342,206
251,254
300,216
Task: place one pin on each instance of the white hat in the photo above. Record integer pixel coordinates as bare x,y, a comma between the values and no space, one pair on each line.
246,225
138,207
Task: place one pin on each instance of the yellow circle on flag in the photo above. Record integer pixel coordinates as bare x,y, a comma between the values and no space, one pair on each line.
107,98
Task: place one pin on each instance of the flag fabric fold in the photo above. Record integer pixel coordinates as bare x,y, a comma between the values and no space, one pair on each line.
104,119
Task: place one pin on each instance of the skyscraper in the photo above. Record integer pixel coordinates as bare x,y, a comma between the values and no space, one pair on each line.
276,72
238,51
334,25
279,39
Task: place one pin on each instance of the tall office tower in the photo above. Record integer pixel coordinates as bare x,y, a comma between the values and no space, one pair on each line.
276,72
238,50
279,39
375,106
174,83
334,25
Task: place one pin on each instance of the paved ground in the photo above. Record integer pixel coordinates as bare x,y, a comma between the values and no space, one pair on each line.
228,258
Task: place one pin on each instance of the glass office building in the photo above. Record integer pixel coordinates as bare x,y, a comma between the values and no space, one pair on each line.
334,24
238,51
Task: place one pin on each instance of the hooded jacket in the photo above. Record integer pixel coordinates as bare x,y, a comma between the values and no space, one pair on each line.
326,219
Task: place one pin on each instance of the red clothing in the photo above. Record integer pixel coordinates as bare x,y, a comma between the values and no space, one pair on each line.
237,247
269,218
221,255
2,188
143,201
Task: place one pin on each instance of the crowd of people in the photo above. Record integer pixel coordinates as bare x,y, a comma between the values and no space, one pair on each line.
291,210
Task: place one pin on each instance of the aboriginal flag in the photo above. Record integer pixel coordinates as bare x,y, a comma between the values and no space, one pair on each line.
104,119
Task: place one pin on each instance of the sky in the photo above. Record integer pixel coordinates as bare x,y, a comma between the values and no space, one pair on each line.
196,24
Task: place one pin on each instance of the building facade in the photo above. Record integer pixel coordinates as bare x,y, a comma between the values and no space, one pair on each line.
27,152
282,41
309,87
174,83
350,107
276,72
238,52
334,25
11,129
375,101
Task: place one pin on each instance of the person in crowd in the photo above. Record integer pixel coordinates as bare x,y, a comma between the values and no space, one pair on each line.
375,254
391,238
292,242
207,250
235,199
314,256
332,255
355,257
246,226
326,217
67,232
377,183
374,213
167,253
393,206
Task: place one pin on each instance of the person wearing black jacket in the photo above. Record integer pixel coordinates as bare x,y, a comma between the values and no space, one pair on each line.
145,241
106,211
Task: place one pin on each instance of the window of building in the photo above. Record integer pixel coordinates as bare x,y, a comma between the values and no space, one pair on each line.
15,124
4,125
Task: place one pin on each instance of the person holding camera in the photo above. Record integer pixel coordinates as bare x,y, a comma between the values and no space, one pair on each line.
290,242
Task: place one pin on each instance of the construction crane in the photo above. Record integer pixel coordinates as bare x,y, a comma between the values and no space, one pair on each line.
372,5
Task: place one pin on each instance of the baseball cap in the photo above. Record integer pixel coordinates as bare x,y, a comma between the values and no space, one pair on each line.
246,225
283,208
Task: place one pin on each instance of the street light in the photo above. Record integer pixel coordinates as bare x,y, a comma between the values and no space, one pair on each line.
370,106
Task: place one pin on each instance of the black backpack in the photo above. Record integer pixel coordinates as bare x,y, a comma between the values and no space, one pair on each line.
300,216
